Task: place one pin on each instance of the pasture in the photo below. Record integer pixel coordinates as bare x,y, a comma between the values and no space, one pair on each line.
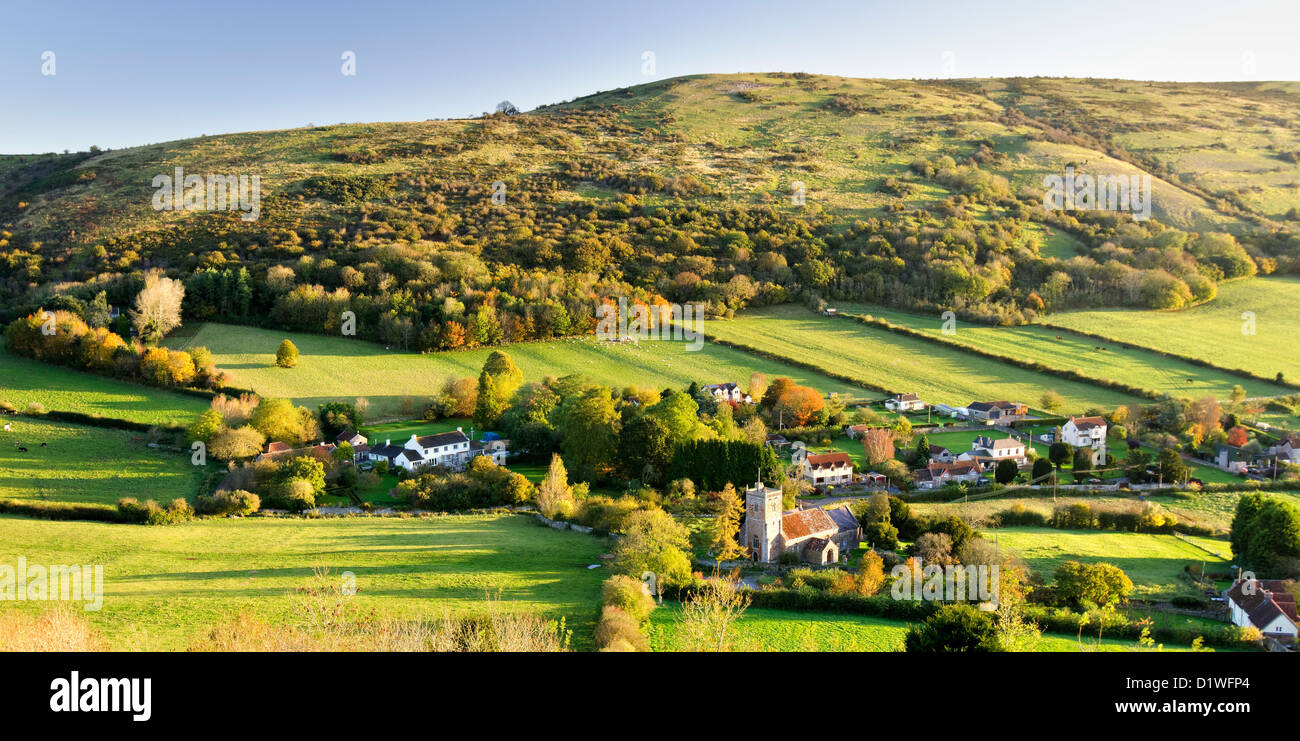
1216,332
166,586
1152,561
1069,351
946,375
762,629
88,465
339,368
23,381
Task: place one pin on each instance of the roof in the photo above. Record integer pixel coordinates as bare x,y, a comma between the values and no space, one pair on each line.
906,397
829,460
816,545
1266,604
859,428
938,450
956,468
386,451
984,406
441,439
277,447
1087,423
803,523
319,452
351,437
843,519
1005,443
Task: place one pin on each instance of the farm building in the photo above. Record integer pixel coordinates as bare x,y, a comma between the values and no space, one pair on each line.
997,411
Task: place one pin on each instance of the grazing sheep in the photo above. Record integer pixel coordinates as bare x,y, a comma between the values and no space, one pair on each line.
21,449
42,445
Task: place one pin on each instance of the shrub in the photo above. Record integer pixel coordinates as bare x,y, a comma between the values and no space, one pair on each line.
225,503
629,595
150,512
618,630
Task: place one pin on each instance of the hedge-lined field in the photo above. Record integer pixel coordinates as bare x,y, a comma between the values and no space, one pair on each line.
939,374
341,368
762,629
1069,351
23,381
166,586
88,465
1152,561
1211,332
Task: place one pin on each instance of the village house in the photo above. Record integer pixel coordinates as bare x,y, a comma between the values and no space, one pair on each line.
278,451
941,454
810,533
351,437
450,449
1086,432
494,448
1263,604
988,452
827,469
856,431
727,392
848,532
1288,449
997,412
1232,459
905,403
935,475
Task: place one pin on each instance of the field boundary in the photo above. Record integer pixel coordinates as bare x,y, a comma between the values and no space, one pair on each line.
1032,366
1238,372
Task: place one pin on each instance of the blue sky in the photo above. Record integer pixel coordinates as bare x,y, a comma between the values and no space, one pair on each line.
130,73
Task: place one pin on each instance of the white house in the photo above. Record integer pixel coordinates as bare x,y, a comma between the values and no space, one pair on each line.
1263,605
1288,449
988,452
905,403
828,469
727,392
1086,432
450,449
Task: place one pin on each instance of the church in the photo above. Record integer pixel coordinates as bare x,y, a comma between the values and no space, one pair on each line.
816,535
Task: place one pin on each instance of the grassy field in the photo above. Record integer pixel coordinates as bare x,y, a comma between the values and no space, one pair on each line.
166,586
24,381
1153,562
939,374
1069,351
787,631
332,368
1213,331
89,465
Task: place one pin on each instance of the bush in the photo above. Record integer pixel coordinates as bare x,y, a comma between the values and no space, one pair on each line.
60,511
151,513
629,595
881,535
226,503
618,630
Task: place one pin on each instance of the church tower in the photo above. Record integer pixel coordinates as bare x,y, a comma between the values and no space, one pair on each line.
762,522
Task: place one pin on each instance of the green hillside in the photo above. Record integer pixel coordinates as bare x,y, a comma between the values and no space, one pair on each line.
729,190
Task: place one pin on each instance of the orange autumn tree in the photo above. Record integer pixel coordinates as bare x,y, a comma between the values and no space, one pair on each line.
799,405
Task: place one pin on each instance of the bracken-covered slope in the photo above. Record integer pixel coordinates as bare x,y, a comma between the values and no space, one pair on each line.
915,193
